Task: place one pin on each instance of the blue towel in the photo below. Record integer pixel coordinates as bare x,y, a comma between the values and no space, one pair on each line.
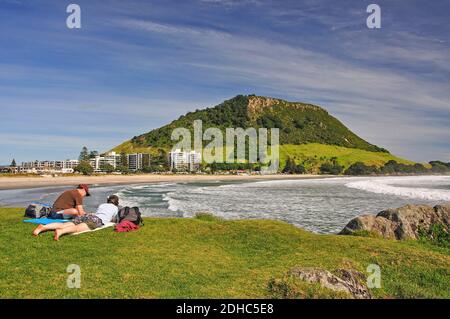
45,221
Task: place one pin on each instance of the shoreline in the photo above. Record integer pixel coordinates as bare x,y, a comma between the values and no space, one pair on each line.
9,183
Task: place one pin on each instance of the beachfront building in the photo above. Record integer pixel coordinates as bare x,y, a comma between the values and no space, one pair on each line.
184,161
9,169
135,162
99,162
68,166
51,167
138,161
39,165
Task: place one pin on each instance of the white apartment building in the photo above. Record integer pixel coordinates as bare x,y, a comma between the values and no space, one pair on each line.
68,166
52,167
135,162
98,162
184,161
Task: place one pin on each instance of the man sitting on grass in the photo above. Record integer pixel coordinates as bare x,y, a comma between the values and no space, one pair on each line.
105,214
70,203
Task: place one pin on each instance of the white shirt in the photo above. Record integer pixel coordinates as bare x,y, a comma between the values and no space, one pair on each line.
106,212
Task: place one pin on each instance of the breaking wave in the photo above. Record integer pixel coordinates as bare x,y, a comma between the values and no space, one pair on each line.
406,187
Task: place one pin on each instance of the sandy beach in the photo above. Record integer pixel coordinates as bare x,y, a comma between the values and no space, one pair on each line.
33,182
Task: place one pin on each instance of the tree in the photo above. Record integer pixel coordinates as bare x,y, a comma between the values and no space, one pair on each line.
124,160
123,169
292,168
438,167
84,154
331,168
106,167
419,168
84,168
145,161
289,166
440,163
300,169
13,163
359,168
93,154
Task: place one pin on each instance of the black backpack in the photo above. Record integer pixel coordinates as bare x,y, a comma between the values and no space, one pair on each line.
38,210
131,214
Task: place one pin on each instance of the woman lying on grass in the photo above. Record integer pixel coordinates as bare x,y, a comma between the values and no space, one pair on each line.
105,214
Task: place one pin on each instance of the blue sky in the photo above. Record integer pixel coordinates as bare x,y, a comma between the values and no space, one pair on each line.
136,65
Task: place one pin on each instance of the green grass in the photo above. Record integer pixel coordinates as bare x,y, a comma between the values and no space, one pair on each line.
318,153
314,153
129,148
204,258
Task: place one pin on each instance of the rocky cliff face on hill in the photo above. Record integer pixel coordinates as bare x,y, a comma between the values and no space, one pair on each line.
260,104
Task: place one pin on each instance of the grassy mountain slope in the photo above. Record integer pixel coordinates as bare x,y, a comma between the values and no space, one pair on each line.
303,127
314,154
205,258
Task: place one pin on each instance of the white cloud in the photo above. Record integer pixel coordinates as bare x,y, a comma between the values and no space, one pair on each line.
313,76
391,107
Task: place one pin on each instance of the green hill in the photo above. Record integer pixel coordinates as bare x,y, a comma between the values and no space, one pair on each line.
303,128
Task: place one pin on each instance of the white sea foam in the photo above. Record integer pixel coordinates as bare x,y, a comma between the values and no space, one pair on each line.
173,204
322,205
394,186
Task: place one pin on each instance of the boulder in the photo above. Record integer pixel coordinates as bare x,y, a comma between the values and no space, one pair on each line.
347,281
381,226
401,223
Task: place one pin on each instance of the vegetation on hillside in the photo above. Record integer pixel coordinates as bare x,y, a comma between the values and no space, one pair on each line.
299,123
393,167
333,158
205,258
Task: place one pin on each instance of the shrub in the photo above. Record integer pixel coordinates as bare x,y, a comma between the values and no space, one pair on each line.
331,168
439,167
360,168
292,168
123,169
108,168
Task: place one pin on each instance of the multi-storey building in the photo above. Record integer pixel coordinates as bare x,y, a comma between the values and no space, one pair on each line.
134,162
138,161
184,161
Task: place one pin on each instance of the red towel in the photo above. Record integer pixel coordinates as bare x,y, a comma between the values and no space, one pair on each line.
126,226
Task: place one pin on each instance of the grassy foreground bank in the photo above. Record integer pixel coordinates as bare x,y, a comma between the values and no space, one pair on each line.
203,258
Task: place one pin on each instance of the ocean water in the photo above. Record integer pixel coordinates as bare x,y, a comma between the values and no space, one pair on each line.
319,205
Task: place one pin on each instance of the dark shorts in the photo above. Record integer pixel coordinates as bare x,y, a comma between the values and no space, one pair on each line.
90,220
58,215
54,215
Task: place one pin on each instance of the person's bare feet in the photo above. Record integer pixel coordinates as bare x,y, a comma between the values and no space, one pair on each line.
57,234
38,230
